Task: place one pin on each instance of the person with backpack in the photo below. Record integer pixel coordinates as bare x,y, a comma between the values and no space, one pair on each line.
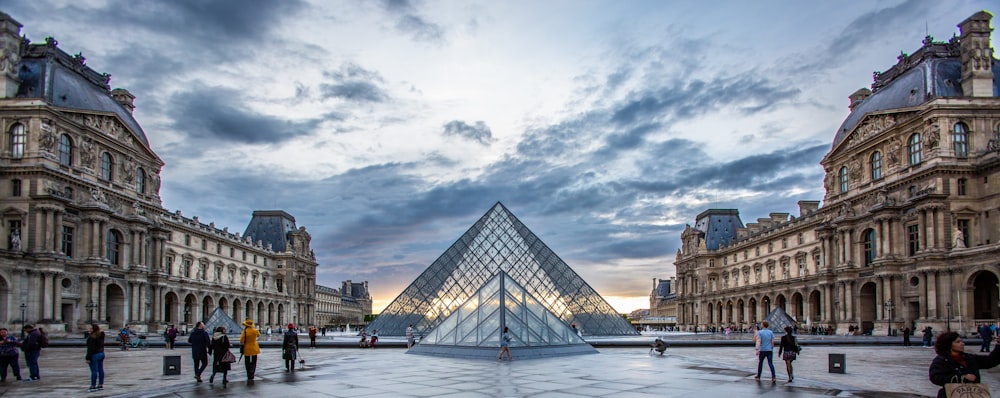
290,348
32,347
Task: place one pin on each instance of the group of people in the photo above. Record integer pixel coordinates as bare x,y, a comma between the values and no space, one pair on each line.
369,341
34,339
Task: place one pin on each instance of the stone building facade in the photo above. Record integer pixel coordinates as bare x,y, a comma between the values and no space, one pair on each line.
340,308
85,236
909,233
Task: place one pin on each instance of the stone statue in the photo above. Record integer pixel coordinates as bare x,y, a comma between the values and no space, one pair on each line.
15,240
933,135
959,239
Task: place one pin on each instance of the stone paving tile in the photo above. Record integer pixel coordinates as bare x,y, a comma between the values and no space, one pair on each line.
872,371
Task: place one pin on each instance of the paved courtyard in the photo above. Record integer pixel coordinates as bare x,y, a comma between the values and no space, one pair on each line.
708,371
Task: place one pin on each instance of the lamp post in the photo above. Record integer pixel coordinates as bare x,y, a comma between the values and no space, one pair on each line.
889,306
949,316
23,322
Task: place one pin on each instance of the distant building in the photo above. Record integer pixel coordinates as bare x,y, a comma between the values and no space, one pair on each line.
909,235
336,309
85,236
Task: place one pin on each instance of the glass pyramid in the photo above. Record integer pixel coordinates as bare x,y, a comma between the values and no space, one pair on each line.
220,318
474,329
499,242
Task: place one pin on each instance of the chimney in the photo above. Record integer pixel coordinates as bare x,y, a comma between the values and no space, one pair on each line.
977,55
10,55
858,97
673,284
807,206
125,98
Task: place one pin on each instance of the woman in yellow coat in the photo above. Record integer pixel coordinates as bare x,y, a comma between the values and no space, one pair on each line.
248,339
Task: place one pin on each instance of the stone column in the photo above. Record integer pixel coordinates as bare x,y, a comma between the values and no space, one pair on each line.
932,295
57,296
57,230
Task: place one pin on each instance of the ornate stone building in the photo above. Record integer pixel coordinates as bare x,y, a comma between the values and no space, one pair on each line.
345,307
908,235
85,236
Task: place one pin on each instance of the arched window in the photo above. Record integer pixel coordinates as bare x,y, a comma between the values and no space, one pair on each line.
843,179
960,139
18,137
65,150
114,246
876,165
870,246
107,165
913,149
140,180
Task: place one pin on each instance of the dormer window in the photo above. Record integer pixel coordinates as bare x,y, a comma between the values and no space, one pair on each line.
876,165
914,149
960,140
843,179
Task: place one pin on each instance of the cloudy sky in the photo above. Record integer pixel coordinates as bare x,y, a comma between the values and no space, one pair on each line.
387,128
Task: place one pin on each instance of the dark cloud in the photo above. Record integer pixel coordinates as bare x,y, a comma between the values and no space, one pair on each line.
215,113
478,132
410,22
353,83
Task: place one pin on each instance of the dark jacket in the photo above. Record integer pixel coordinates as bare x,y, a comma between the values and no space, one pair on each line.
946,370
94,345
219,346
199,340
290,345
33,342
788,343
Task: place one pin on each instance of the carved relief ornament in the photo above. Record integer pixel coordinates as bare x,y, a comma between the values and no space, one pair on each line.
870,127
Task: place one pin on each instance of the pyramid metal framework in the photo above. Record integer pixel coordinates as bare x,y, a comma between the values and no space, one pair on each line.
475,328
220,318
499,242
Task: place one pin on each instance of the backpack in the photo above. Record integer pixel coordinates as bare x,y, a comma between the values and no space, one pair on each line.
43,340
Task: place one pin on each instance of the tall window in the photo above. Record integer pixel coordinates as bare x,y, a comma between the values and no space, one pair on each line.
114,247
107,165
67,241
18,137
15,187
960,139
876,165
65,150
913,238
963,187
843,179
870,246
914,150
140,180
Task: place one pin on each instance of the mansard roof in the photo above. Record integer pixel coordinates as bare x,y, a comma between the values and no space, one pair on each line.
934,71
271,226
719,226
65,81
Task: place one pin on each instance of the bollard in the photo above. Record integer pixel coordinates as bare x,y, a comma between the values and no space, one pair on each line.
838,363
171,365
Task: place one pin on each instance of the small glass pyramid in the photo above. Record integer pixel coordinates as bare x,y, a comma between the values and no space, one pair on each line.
499,242
474,329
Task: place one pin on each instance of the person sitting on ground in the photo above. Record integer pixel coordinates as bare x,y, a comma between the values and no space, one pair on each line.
659,345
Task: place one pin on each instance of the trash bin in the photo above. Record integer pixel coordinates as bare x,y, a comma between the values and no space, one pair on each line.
171,365
838,363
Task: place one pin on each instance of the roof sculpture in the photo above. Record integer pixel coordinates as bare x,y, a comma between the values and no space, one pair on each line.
474,329
499,242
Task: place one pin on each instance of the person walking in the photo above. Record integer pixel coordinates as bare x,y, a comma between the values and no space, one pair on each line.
765,337
248,339
219,347
505,345
986,335
953,365
906,337
789,350
312,336
928,336
409,336
290,348
171,336
200,340
8,355
95,357
32,348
